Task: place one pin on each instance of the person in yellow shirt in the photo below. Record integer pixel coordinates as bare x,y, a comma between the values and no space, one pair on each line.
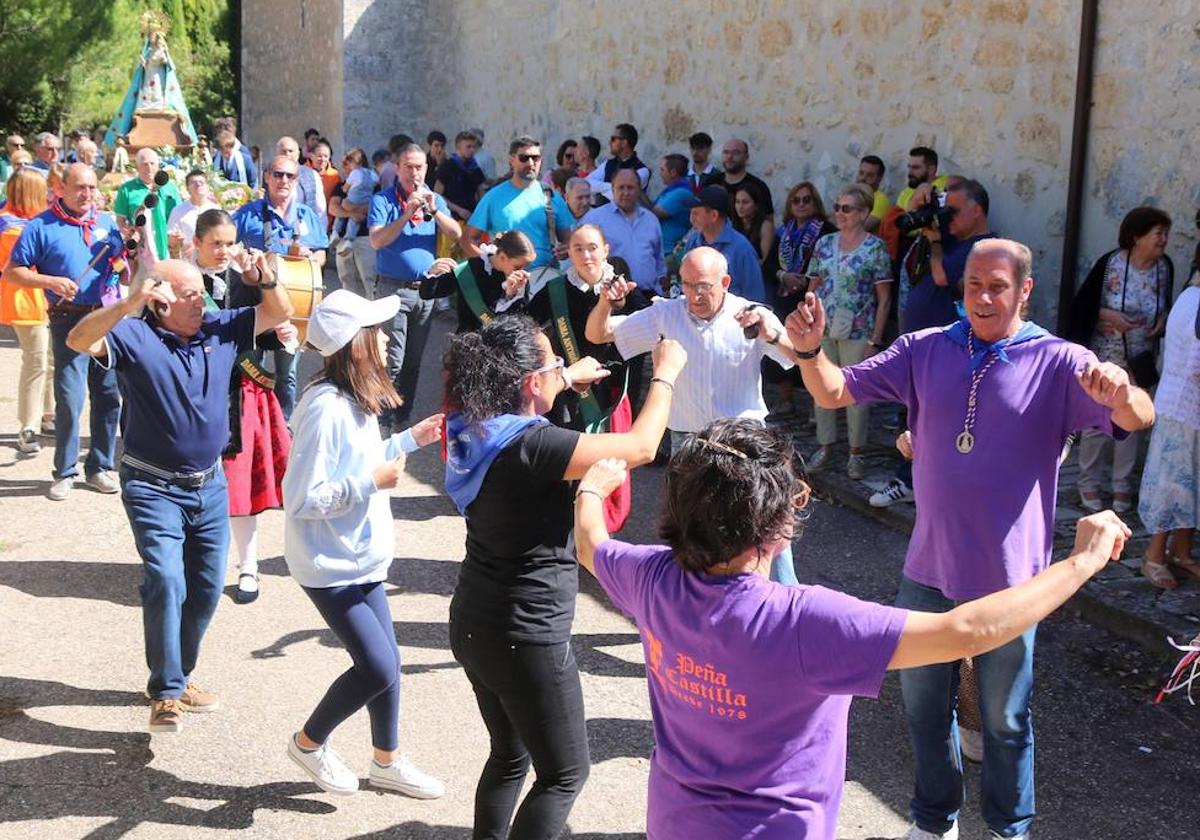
870,174
922,169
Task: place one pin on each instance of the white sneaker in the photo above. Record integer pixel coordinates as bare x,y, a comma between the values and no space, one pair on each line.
402,776
60,489
27,442
896,491
105,481
915,833
325,767
970,741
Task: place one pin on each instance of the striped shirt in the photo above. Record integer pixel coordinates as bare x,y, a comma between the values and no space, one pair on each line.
722,376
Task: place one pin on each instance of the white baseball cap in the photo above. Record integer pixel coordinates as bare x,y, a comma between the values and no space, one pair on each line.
341,314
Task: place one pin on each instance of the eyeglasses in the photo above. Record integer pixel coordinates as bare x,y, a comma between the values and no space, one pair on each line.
846,208
696,288
528,157
802,199
285,176
557,364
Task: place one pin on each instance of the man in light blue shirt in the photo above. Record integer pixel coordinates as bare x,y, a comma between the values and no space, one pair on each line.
632,231
673,205
517,204
710,219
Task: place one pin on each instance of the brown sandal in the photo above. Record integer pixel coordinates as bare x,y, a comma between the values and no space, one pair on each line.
1186,565
1158,574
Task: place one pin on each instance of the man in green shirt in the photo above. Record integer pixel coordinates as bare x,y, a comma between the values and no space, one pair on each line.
133,192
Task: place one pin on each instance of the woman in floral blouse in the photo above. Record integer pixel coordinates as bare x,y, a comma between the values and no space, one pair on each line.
1130,290
855,274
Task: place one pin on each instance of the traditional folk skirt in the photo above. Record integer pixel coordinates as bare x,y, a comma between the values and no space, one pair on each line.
255,471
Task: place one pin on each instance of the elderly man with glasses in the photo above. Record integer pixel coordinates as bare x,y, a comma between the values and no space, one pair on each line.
12,143
280,222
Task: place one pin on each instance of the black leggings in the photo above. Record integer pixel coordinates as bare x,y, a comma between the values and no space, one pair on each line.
532,704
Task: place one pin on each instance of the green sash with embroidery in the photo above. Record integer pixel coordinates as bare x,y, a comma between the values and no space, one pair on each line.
594,418
469,286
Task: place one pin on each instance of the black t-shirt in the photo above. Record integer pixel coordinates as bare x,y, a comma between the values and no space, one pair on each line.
491,289
460,184
520,576
757,186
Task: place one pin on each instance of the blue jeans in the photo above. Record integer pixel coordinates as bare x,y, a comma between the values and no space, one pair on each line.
1005,680
182,537
73,372
358,615
407,334
285,381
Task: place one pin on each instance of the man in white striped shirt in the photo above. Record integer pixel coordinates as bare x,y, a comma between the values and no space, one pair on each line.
723,377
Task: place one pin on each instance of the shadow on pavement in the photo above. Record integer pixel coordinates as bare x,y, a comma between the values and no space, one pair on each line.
116,583
421,508
424,831
11,488
619,738
113,779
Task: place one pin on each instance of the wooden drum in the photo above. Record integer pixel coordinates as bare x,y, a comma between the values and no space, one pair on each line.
305,287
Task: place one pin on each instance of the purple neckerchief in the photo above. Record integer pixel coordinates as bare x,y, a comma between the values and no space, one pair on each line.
958,332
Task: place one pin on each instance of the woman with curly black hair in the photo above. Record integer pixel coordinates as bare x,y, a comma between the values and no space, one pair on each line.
751,680
509,471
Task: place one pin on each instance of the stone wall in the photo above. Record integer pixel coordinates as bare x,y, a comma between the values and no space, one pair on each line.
812,86
291,70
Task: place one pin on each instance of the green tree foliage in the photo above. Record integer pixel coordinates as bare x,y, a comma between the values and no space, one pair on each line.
75,59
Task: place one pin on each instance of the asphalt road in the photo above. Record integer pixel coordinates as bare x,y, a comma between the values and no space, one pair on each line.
76,761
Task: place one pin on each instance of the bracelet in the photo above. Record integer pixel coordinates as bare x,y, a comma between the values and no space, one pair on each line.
670,385
807,354
268,286
579,493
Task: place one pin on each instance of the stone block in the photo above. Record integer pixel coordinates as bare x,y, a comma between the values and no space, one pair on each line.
996,51
1040,138
1005,11
774,38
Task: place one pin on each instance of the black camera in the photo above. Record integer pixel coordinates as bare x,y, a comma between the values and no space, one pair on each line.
931,214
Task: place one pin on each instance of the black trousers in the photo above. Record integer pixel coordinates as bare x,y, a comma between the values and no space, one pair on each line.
532,704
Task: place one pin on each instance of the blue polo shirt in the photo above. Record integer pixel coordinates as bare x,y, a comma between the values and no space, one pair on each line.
676,200
412,252
51,246
299,223
176,393
744,267
504,207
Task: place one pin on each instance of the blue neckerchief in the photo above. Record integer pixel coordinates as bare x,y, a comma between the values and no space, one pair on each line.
467,164
957,332
471,448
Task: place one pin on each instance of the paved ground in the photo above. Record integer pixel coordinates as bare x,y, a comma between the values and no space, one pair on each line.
76,761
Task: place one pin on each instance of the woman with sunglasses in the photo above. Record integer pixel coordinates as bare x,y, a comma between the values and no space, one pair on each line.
853,273
751,681
510,473
786,274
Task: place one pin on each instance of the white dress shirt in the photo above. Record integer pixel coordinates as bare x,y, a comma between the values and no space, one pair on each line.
722,377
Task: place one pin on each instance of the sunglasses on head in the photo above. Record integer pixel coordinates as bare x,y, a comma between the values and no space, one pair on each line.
285,176
526,158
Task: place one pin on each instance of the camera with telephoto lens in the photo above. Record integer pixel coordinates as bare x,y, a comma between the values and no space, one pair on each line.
933,213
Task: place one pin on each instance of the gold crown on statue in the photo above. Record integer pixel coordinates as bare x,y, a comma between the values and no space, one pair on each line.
155,21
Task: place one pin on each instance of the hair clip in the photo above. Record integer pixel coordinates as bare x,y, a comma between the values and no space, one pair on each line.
728,450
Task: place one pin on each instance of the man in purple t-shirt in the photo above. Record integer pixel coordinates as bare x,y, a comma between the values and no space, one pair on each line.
750,680
991,401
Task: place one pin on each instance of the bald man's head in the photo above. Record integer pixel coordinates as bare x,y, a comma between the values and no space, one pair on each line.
704,276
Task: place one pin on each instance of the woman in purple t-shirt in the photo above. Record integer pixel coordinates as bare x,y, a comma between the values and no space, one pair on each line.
751,681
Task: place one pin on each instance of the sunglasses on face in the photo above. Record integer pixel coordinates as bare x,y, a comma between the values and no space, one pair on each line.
528,158
802,199
284,176
846,208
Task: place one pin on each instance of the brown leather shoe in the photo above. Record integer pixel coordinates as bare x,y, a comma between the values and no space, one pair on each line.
196,699
166,715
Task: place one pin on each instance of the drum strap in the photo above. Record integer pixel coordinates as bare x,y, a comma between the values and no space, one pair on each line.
467,284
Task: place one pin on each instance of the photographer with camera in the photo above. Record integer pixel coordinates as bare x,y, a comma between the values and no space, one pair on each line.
931,276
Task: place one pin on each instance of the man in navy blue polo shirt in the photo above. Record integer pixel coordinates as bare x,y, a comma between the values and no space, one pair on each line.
282,223
174,365
710,223
404,221
74,253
